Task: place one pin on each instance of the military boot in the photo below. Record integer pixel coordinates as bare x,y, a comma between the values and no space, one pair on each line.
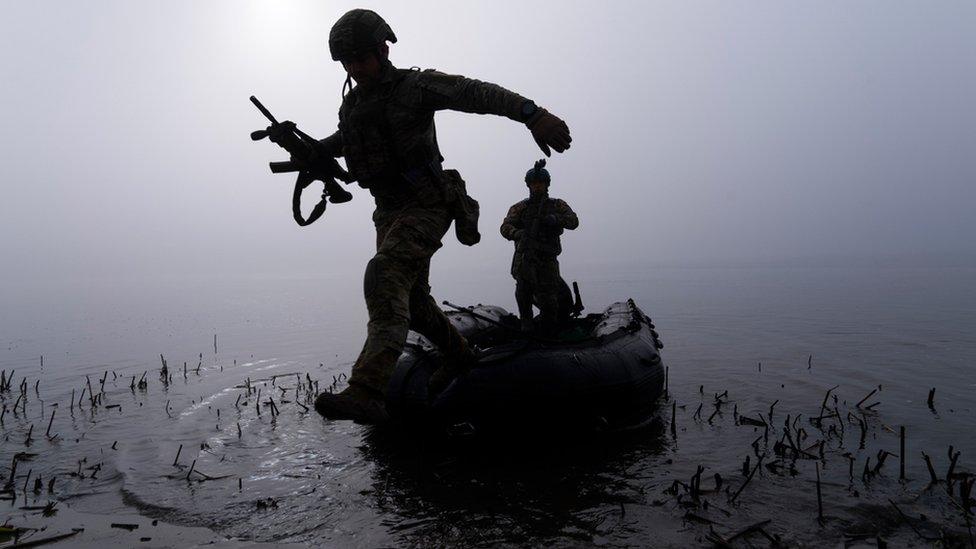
356,402
524,301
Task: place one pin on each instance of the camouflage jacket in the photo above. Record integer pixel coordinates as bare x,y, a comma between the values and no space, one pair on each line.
388,130
525,224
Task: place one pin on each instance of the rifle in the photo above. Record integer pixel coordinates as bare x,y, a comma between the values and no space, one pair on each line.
534,229
306,159
527,242
577,308
518,333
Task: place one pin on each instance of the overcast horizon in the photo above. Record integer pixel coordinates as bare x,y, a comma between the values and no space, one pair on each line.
705,134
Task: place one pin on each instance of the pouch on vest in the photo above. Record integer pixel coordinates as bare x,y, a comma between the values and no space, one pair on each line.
465,209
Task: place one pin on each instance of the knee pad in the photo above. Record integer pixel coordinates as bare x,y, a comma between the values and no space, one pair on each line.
374,272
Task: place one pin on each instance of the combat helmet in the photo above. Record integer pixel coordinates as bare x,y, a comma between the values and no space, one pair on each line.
358,31
538,173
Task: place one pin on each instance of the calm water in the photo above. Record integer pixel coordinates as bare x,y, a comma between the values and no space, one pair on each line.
299,478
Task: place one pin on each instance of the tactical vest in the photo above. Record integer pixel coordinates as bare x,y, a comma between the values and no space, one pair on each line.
386,133
538,239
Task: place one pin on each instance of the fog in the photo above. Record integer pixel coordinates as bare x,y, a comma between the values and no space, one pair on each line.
703,133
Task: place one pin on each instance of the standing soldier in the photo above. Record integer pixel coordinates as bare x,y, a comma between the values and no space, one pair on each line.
535,224
386,134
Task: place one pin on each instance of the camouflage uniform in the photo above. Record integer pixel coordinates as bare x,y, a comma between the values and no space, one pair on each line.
387,136
534,266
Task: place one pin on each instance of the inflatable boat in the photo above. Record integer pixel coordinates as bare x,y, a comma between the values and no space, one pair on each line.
602,372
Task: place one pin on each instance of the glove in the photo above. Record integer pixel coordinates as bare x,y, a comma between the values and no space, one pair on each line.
517,235
275,133
549,130
551,221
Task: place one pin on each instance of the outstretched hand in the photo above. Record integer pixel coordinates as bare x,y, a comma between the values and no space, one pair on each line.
549,130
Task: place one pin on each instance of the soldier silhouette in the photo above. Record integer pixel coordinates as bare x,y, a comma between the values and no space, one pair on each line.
535,225
386,134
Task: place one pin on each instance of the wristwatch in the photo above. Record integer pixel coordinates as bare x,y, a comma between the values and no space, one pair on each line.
529,108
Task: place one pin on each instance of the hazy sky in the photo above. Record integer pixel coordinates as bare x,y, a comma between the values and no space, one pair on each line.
703,131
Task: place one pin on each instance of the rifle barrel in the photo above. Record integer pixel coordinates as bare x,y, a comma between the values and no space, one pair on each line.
267,114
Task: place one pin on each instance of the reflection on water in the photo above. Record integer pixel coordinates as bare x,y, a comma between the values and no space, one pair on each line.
507,491
763,335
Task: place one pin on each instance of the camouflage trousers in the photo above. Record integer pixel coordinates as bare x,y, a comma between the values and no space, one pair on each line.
398,293
537,282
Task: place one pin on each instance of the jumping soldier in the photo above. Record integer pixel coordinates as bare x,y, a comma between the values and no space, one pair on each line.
534,224
386,134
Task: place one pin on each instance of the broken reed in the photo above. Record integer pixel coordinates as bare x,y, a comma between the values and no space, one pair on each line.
901,453
791,432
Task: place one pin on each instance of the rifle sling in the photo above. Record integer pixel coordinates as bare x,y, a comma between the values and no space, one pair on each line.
304,180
